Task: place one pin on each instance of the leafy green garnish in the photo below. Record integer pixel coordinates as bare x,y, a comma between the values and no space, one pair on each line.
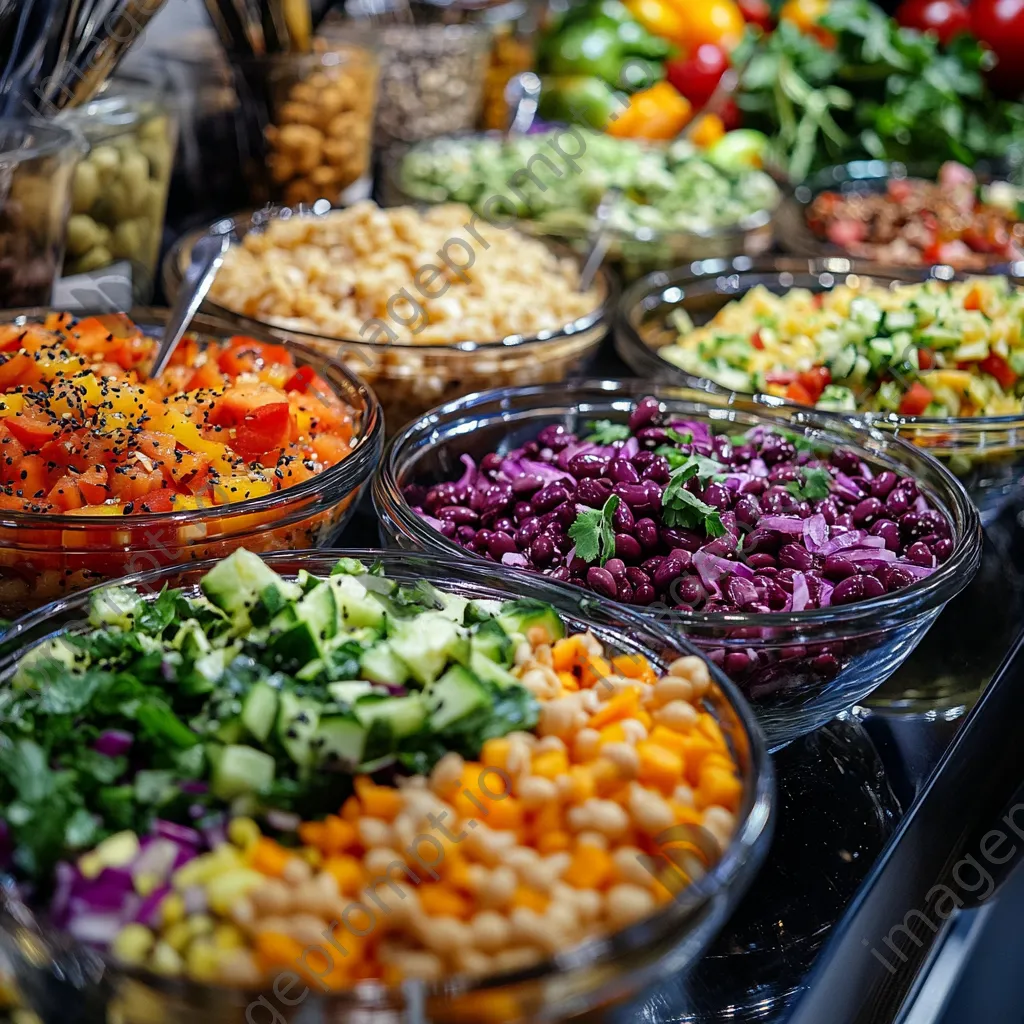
681,507
606,432
689,466
817,484
674,435
593,532
801,442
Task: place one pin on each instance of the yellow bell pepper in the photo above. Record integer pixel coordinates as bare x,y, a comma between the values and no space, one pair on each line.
659,113
11,405
707,131
660,17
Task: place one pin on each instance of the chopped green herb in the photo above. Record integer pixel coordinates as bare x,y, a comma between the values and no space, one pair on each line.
593,532
681,507
817,484
606,432
674,435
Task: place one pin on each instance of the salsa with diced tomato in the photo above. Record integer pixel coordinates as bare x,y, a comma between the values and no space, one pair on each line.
931,349
84,431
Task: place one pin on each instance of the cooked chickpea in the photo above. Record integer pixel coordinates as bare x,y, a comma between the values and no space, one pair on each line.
720,823
635,731
630,867
670,688
695,669
649,811
677,714
624,757
586,745
499,887
535,791
444,935
447,773
491,930
373,832
627,903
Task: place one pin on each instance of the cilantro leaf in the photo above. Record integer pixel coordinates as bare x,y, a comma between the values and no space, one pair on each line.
817,484
689,466
593,532
681,507
801,442
674,435
155,616
605,432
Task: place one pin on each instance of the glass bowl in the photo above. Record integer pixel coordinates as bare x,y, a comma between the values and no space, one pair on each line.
570,982
778,668
858,177
409,379
634,252
986,453
44,557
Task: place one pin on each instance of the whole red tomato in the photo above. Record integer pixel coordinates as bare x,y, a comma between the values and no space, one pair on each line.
1000,25
946,18
698,75
757,12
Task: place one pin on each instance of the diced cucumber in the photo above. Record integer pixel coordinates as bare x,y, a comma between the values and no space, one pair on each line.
481,611
319,610
427,643
231,731
114,606
56,651
842,364
312,670
358,608
297,721
259,710
971,351
935,336
518,616
381,664
455,695
236,583
454,607
490,671
350,690
296,646
286,617
866,312
339,741
404,716
490,640
191,640
881,349
306,581
241,770
900,320
272,600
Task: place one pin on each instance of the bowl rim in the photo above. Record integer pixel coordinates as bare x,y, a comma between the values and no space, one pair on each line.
754,822
602,314
349,473
755,221
645,287
934,590
51,137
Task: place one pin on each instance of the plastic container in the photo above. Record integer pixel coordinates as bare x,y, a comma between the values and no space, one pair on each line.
37,161
780,676
409,379
44,557
309,120
119,195
634,252
570,982
986,453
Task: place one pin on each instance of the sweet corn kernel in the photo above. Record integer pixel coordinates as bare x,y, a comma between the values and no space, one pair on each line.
243,832
165,960
203,961
133,944
172,909
227,936
177,936
226,888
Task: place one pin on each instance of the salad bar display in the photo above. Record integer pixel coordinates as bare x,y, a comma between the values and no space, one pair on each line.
525,717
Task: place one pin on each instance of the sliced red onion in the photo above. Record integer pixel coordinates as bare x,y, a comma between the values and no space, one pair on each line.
758,467
801,593
194,898
514,558
156,861
283,821
742,591
468,478
711,569
847,488
149,908
194,787
872,542
825,593
815,531
630,449
434,524
781,524
177,833
921,504
114,742
850,539
869,554
65,876
917,571
548,473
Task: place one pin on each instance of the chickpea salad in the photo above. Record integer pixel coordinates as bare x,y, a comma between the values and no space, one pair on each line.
931,349
664,189
202,786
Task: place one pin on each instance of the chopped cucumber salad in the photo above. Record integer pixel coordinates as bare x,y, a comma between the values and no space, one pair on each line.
932,349
664,188
259,694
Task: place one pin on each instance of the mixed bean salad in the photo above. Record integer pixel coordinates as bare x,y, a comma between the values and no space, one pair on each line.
662,510
931,349
205,785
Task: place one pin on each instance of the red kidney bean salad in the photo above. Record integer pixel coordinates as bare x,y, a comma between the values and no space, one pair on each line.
663,510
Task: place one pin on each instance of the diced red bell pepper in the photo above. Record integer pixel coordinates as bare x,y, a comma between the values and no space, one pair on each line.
925,358
916,400
973,299
330,449
240,400
797,392
755,340
815,380
247,355
93,484
32,427
131,482
207,376
30,479
781,377
999,368
264,429
12,451
301,379
161,500
14,370
65,494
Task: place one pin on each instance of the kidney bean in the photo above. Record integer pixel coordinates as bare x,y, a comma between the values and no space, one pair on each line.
849,590
873,587
777,501
942,549
761,560
633,495
627,547
897,578
916,525
652,435
889,531
555,436
621,471
643,594
845,461
825,665
616,567
548,497
775,595
578,566
636,575
592,493
747,510
448,528
501,544
561,574
527,532
464,534
687,591
483,539
624,591
784,474
458,514
920,554
602,581
682,556
674,537
657,469
505,524
523,510
795,556
737,664
867,511
622,518
756,487
761,541
784,578
647,409
896,504
564,514
491,463
740,591
716,496
883,484
584,465
839,568
542,548
670,569
844,522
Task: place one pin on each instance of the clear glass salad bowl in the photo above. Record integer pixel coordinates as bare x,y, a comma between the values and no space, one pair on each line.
791,695
51,971
986,453
44,557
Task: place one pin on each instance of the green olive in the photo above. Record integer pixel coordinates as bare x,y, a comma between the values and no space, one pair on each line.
86,187
96,257
106,160
128,241
158,153
135,169
83,234
155,129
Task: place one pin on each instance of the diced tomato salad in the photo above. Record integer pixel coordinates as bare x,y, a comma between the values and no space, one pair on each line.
84,431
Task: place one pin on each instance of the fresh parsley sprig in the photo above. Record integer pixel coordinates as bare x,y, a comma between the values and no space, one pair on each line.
606,432
680,507
817,484
593,532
